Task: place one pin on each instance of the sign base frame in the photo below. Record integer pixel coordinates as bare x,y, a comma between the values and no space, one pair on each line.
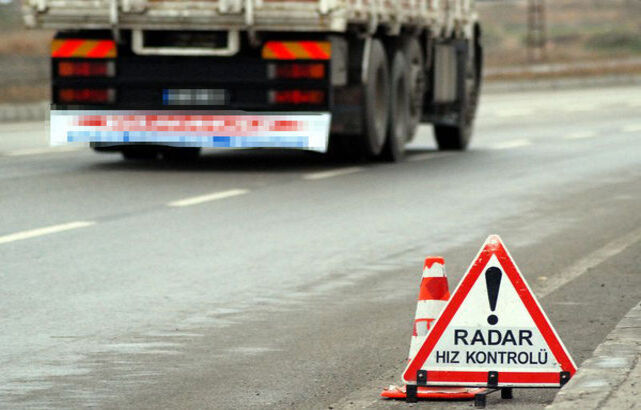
480,399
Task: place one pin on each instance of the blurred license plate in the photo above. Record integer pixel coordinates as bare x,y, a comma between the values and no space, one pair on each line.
193,128
194,96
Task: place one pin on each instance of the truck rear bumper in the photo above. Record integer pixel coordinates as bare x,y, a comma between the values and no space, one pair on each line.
217,129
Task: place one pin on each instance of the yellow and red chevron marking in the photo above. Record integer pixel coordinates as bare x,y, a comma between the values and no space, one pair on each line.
81,48
297,50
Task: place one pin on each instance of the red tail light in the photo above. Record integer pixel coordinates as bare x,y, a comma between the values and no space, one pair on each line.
298,97
293,71
86,95
86,69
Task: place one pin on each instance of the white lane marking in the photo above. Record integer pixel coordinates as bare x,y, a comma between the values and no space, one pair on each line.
195,200
332,173
580,135
512,144
39,151
631,128
590,261
18,236
428,155
578,107
513,112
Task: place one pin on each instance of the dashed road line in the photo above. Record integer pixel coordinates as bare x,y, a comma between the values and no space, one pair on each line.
631,128
512,144
332,173
513,112
195,200
427,155
580,135
579,107
32,233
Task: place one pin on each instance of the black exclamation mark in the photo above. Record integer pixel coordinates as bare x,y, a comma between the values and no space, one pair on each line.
493,281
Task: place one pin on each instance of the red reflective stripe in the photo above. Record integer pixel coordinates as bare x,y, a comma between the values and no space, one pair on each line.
315,52
434,289
280,50
102,49
67,48
440,376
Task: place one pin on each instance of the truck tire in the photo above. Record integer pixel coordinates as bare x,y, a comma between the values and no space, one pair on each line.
399,109
417,82
375,102
457,137
139,152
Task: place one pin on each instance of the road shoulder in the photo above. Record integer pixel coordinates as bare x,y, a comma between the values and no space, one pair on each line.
611,377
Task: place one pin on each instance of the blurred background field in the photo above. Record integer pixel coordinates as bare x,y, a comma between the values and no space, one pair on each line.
24,65
584,37
577,30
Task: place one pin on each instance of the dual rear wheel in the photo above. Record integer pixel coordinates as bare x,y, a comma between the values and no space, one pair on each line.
386,105
399,110
394,94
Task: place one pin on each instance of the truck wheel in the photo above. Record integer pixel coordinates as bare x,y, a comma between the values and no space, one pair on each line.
181,154
138,152
376,102
416,73
458,137
399,110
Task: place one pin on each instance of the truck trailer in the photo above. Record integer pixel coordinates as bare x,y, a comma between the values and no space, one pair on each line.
353,77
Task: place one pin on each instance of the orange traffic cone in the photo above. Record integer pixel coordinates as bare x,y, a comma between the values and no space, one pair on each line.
432,298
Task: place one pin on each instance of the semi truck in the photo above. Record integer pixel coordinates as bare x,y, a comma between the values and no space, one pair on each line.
152,78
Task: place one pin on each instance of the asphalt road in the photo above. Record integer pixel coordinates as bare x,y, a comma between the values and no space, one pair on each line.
283,279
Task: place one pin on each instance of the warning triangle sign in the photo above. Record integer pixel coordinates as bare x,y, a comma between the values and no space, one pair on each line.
492,332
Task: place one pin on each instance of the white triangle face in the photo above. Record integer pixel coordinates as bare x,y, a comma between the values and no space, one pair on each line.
513,343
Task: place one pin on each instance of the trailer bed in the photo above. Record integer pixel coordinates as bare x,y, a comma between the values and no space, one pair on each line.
257,15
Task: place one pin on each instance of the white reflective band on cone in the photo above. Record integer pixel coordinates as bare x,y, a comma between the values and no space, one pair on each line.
429,309
435,271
